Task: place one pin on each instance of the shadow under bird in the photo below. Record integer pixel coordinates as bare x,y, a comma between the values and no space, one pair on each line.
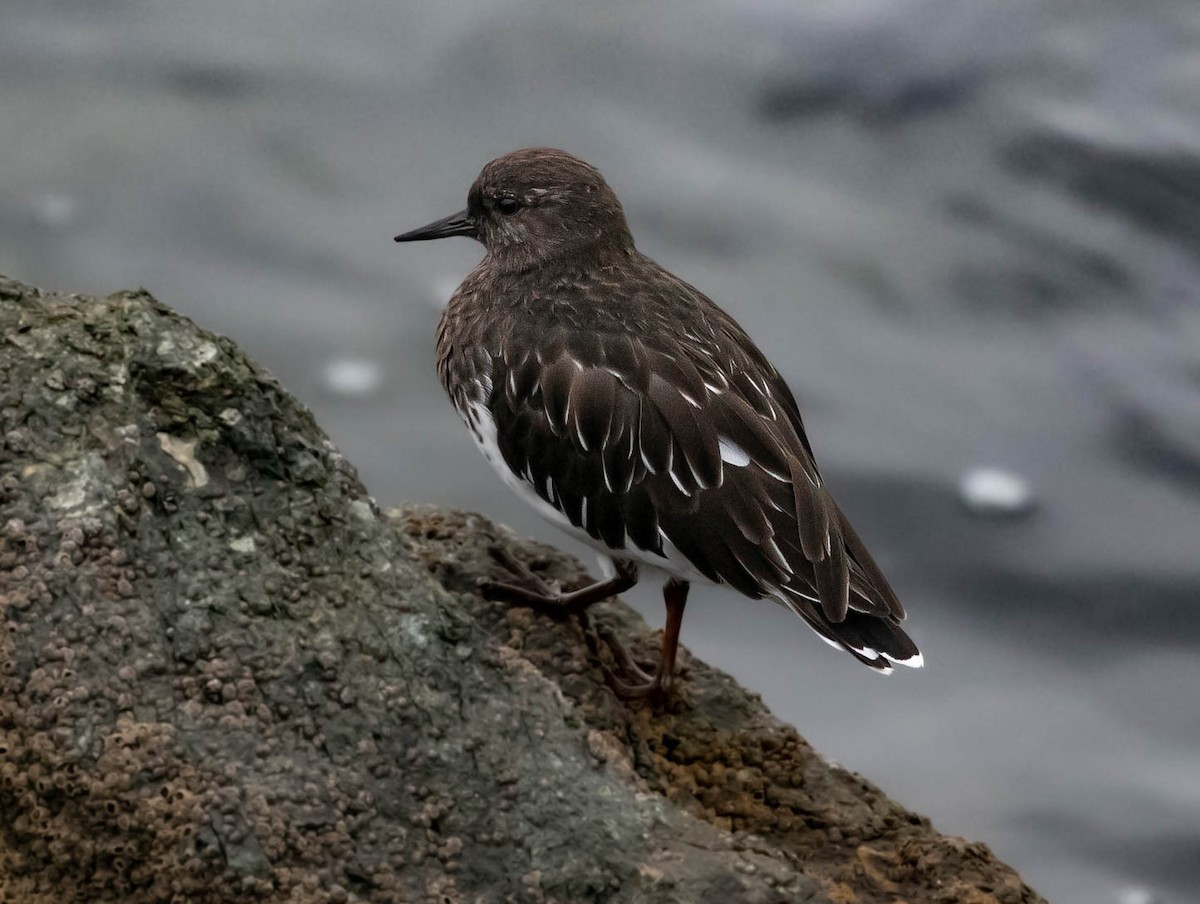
635,414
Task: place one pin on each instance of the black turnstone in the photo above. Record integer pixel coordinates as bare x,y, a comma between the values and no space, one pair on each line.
634,413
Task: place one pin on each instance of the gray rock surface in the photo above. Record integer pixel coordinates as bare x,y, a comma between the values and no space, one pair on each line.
226,676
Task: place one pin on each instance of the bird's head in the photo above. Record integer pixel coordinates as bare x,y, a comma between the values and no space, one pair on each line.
536,205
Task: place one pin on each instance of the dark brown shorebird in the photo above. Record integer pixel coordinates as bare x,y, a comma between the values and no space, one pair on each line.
635,414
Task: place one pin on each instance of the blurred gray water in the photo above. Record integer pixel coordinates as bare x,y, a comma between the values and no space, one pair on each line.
968,234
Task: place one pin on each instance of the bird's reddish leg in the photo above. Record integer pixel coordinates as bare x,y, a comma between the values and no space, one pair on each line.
654,687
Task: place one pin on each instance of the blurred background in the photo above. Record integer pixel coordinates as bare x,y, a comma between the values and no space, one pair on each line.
967,234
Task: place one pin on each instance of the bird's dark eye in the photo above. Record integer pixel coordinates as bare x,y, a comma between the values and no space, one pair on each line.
508,206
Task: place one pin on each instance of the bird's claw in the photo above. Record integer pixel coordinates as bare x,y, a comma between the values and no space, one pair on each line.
628,680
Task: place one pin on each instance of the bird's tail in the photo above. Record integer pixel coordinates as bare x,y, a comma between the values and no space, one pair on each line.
873,640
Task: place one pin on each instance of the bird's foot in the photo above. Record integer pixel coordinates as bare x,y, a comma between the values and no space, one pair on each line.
628,680
531,589
536,593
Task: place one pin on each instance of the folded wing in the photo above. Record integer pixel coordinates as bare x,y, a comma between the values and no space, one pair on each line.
700,455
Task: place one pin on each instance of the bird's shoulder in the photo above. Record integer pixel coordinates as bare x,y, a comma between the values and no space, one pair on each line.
626,307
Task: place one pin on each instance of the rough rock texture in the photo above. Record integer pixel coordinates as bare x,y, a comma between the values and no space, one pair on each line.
226,676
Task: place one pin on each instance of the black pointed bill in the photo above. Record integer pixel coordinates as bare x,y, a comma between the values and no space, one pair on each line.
461,223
